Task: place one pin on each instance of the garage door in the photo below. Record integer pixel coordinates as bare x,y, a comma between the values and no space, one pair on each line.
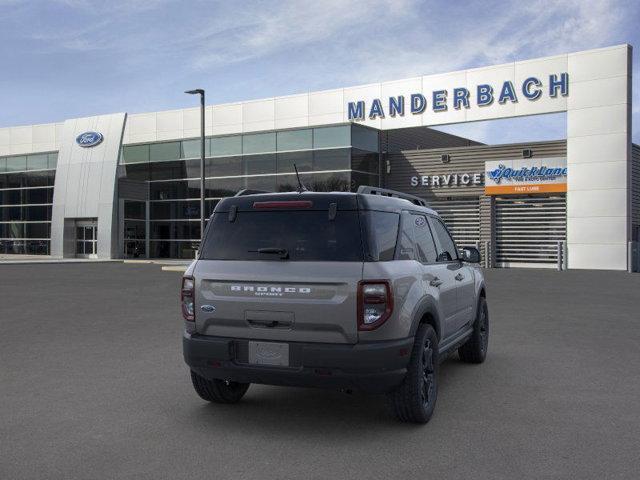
528,230
462,217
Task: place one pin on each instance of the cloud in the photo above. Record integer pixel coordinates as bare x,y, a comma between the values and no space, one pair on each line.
288,25
261,48
484,37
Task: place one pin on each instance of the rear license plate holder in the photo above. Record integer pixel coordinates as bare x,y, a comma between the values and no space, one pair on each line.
269,353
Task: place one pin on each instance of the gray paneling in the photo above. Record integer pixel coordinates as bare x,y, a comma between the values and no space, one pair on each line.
528,228
462,217
416,138
471,159
487,228
408,163
85,184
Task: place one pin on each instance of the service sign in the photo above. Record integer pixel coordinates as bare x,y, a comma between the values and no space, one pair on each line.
526,176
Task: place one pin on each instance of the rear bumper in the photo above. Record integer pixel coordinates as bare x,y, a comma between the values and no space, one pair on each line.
374,367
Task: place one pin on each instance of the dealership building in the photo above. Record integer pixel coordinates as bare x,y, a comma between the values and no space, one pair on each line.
127,185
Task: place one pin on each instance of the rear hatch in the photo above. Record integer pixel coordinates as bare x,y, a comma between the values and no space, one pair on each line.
281,267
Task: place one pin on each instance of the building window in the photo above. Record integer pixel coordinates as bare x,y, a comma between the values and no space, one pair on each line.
295,140
162,152
256,161
338,159
135,154
364,138
259,143
330,137
26,196
302,160
225,146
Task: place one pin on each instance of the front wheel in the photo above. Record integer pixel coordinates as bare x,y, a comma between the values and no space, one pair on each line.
475,349
218,391
414,400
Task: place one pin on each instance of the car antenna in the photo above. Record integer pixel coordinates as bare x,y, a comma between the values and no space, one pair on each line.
301,187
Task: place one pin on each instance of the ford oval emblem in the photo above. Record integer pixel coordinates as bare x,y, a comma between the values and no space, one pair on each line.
208,308
89,139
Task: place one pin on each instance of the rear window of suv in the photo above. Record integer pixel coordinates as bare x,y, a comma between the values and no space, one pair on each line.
305,235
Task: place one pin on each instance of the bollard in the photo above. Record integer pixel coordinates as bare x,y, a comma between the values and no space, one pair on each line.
559,256
487,263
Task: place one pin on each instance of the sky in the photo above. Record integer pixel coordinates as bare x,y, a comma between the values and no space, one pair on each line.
72,58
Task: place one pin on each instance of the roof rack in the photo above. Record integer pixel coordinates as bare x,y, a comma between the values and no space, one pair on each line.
248,191
384,192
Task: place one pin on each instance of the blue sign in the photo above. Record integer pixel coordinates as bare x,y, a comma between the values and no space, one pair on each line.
483,95
525,174
89,139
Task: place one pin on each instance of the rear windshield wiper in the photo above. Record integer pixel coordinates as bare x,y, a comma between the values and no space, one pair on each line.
284,254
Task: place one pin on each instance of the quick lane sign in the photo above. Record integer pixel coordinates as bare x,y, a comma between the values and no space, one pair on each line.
526,176
530,89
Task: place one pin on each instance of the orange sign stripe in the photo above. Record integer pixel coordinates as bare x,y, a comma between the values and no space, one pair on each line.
530,188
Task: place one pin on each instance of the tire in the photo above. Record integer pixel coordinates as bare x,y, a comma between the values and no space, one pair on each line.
415,399
218,391
475,349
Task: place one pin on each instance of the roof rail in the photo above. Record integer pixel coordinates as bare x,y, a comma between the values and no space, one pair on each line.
368,190
248,191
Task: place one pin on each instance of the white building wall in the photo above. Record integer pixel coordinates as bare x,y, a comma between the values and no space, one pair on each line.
599,158
598,110
30,139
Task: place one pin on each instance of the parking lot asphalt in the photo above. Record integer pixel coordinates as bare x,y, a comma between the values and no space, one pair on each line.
93,385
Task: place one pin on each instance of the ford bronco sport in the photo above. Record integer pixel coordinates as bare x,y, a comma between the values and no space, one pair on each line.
355,291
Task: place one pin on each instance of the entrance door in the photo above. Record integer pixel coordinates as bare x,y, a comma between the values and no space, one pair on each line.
87,239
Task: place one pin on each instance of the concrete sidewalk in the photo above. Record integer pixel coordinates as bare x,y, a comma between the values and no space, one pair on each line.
47,259
37,259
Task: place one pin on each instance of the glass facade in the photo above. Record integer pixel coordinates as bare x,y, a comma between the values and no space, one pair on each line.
335,158
26,196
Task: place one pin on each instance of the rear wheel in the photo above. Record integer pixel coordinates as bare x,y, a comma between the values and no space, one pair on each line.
415,399
218,391
475,349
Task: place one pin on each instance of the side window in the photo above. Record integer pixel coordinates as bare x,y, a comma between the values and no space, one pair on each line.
445,244
426,249
383,228
406,250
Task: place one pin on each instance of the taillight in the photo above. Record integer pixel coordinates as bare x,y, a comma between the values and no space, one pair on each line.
186,299
375,303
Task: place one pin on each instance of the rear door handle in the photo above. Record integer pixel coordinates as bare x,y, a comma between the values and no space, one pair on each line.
459,277
436,282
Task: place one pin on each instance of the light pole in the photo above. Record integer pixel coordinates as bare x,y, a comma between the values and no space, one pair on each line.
200,91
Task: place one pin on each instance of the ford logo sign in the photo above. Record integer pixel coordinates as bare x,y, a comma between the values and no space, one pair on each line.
89,139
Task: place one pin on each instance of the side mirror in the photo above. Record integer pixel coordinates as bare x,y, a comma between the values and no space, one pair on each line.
470,254
444,257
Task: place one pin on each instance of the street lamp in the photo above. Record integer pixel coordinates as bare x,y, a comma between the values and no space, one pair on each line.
200,91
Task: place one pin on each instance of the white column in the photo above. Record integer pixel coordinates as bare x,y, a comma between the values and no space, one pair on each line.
599,158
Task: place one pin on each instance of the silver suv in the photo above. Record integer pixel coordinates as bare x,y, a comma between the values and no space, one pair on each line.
354,291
